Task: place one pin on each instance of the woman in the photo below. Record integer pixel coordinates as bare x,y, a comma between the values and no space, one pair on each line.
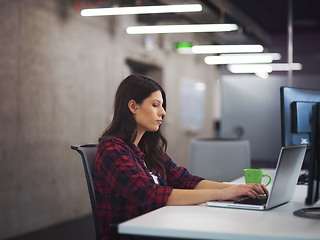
133,174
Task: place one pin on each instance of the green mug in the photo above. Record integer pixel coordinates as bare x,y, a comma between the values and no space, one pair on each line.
255,176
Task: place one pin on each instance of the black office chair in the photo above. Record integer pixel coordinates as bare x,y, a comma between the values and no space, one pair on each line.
88,152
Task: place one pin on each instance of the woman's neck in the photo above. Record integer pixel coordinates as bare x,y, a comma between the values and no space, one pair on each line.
138,137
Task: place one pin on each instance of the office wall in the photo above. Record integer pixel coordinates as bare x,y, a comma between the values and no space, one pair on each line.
253,104
58,75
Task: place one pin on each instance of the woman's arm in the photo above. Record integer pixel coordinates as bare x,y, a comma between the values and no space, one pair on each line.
206,184
192,196
209,190
201,191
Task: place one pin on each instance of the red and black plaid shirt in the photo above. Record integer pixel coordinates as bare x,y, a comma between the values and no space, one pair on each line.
124,187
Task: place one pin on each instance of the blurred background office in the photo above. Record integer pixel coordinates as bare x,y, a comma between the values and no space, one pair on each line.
59,71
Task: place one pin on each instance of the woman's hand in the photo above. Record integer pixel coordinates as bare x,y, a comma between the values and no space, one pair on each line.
252,190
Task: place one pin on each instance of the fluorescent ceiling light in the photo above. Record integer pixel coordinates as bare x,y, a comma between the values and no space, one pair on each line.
262,75
215,49
286,66
250,68
242,58
275,56
181,28
142,10
263,68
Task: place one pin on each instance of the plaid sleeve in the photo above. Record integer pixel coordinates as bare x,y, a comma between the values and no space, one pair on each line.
179,177
125,175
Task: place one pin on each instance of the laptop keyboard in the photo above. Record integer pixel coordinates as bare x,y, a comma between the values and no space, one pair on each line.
254,201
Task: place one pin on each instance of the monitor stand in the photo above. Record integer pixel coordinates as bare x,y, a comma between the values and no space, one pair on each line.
308,213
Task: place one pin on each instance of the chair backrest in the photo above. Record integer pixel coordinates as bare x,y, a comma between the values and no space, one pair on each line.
219,159
88,152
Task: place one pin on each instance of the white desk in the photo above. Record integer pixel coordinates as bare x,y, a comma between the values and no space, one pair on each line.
202,222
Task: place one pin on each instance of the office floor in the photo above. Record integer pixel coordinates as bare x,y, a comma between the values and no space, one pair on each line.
79,229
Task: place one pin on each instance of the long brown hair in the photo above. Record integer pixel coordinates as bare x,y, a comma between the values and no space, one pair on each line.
123,125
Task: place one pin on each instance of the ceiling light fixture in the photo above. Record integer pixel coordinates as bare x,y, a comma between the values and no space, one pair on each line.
215,49
263,68
250,68
181,28
141,10
263,75
286,66
242,58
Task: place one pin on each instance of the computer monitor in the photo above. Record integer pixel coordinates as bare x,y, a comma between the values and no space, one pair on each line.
300,124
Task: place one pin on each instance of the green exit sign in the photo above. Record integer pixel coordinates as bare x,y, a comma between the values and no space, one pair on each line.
182,45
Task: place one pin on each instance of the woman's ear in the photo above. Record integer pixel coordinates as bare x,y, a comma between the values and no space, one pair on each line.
132,105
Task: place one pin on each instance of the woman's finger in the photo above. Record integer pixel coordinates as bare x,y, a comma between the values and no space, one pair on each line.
265,189
253,194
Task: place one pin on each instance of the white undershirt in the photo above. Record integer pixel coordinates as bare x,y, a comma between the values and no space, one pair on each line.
155,178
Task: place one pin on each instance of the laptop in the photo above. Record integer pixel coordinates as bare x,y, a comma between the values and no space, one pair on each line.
283,186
